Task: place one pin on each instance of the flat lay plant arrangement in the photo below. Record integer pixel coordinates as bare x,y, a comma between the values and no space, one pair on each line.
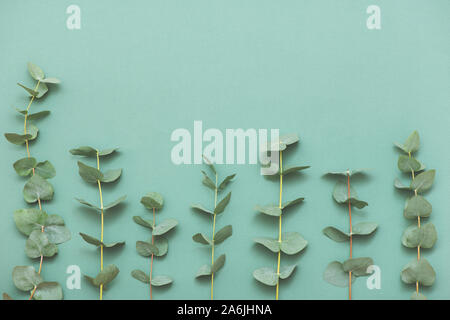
343,274
157,245
289,243
93,175
216,238
420,235
44,231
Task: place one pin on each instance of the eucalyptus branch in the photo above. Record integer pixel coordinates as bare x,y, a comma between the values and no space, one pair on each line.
344,274
44,231
157,245
222,234
422,236
289,243
95,176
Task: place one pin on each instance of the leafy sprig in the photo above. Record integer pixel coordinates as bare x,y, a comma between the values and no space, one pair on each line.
94,175
219,236
44,231
289,243
344,274
420,236
157,245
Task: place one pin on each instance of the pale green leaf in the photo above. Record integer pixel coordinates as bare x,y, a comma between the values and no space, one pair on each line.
358,266
423,181
425,236
35,72
201,238
289,170
140,275
164,227
48,291
285,272
88,173
115,203
152,200
205,270
31,92
417,206
146,249
222,204
411,144
218,263
223,234
111,175
29,219
267,276
335,275
408,164
87,204
45,169
37,188
271,210
419,270
292,243
287,204
24,167
17,139
25,278
38,245
207,181
200,208
143,222
84,151
159,281
336,234
226,181
51,80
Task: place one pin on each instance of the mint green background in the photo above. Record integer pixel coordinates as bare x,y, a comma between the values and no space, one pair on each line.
134,73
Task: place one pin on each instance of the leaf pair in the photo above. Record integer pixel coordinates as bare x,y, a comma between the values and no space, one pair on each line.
108,274
291,243
337,273
37,188
419,271
269,276
91,240
359,229
207,269
219,237
276,211
218,209
159,247
157,281
423,237
105,207
341,195
93,175
26,278
20,139
24,167
90,152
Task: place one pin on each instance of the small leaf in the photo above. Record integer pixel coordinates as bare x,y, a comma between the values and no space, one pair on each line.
411,144
37,188
292,243
107,152
35,72
222,204
226,181
48,291
25,278
164,227
417,206
271,244
335,275
201,238
29,219
84,151
87,204
17,139
33,131
223,234
267,276
146,249
408,164
54,228
285,272
271,210
291,203
159,281
115,203
346,173
340,195
106,275
419,270
38,245
140,275
90,240
51,80
218,264
364,228
152,200
143,222
199,207
358,266
289,139
336,234
423,181
42,89
38,115
45,170
205,270
207,181
162,244
399,185
289,170
425,236
111,175
31,92
89,174
113,244
24,167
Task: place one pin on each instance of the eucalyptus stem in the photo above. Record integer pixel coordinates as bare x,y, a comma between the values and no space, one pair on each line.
418,222
351,236
213,233
151,260
102,223
279,226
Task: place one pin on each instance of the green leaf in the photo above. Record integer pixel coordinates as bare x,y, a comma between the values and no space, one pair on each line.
201,238
106,275
111,175
417,206
84,151
205,270
37,188
271,244
48,291
17,139
423,181
162,244
32,130
207,181
159,281
24,167
399,185
89,174
271,210
42,90
115,203
140,275
267,276
35,72
38,245
87,204
223,234
340,195
51,80
209,164
45,170
152,200
364,228
335,275
28,220
418,296
218,264
425,236
25,278
31,92
107,152
90,240
408,164
54,228
358,266
143,222
164,227
200,208
38,115
289,139
336,234
292,243
285,272
222,204
411,144
146,249
419,270
291,203
346,173
289,170
226,181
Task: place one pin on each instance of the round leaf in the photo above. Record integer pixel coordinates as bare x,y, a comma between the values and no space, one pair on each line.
38,245
419,270
89,174
48,291
292,243
271,244
335,275
408,164
140,275
24,167
28,220
358,266
35,72
152,200
164,227
159,281
417,206
25,278
146,249
423,181
37,188
266,276
336,234
285,272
